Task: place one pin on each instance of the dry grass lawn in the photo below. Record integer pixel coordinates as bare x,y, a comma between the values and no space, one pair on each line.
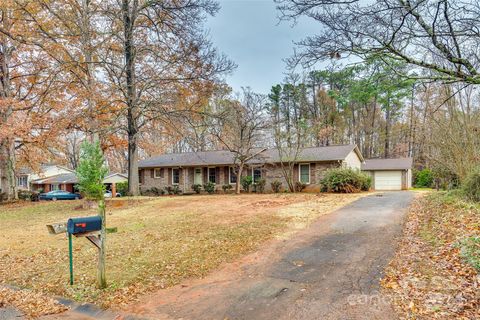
160,241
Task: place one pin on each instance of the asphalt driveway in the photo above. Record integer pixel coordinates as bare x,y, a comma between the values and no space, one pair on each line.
329,271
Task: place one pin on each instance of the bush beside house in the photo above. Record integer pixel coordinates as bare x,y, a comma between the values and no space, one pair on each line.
345,180
227,187
259,186
246,183
122,188
276,186
423,178
197,188
209,187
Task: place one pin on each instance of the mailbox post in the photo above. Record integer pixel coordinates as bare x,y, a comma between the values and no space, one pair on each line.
88,227
70,257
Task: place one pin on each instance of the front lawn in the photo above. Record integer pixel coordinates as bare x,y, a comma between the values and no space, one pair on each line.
160,241
435,273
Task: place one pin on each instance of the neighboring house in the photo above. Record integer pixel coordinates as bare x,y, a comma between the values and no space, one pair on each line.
28,180
112,179
62,181
390,174
186,169
55,177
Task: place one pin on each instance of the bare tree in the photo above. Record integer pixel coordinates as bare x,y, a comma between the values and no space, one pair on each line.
289,133
157,45
73,142
439,37
240,125
453,141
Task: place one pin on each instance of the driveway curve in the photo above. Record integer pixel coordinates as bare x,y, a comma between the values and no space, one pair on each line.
329,271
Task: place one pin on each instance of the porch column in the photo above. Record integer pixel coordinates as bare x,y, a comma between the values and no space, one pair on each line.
114,190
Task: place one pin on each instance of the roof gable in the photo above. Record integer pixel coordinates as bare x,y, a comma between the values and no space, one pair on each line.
61,178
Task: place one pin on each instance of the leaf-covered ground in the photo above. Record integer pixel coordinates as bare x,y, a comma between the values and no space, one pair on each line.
31,304
430,278
160,241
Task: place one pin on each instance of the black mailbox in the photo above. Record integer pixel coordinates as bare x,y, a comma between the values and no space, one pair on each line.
83,225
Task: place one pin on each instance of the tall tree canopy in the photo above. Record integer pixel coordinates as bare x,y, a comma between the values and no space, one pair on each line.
439,37
157,45
113,69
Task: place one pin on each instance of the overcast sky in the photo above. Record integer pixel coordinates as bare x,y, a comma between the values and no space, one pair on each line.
249,32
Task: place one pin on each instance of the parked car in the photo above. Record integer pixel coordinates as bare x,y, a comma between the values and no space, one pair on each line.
59,195
108,194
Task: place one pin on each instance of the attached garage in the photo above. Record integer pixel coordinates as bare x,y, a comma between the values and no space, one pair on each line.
389,174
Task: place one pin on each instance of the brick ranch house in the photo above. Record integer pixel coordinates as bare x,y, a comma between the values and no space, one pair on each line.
186,169
49,177
55,177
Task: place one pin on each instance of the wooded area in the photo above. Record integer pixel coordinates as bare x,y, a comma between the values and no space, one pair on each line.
144,78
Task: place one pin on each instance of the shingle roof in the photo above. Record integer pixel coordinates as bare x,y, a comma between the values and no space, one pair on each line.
223,157
387,164
59,178
43,168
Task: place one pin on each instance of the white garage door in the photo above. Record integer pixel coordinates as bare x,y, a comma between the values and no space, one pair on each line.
388,180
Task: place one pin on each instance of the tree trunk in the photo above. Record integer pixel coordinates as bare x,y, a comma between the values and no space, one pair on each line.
387,131
411,125
86,42
133,181
288,175
374,112
101,274
8,182
129,53
239,177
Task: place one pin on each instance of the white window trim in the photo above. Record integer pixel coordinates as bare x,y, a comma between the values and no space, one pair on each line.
155,173
208,174
173,183
230,175
300,172
21,179
253,173
201,175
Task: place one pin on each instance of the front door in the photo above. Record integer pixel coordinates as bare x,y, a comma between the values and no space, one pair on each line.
198,179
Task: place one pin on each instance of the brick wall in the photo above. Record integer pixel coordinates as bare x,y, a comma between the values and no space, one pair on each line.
270,173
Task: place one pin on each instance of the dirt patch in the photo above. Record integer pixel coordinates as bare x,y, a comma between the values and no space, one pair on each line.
119,203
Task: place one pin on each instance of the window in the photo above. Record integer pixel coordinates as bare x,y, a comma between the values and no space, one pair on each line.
256,174
233,175
212,176
55,187
22,181
175,176
158,173
304,173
